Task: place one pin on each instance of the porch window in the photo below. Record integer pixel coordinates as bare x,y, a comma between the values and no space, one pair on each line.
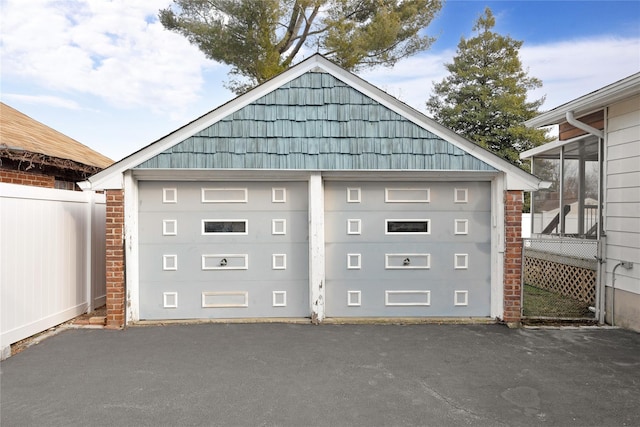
571,206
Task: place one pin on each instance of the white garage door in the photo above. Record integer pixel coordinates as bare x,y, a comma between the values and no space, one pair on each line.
408,249
223,249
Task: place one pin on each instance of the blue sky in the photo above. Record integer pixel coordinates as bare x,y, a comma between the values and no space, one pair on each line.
108,75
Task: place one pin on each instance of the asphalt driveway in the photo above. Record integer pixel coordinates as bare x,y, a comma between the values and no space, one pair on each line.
328,375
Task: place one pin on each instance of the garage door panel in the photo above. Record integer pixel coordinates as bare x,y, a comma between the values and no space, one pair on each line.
274,261
441,196
290,300
254,254
187,227
258,196
443,226
353,298
372,259
408,268
263,299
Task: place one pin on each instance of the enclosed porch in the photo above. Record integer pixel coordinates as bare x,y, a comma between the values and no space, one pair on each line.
571,206
561,260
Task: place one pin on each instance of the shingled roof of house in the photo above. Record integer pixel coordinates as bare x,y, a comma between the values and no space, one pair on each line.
20,133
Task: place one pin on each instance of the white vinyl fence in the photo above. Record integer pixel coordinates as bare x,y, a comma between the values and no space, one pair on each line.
52,258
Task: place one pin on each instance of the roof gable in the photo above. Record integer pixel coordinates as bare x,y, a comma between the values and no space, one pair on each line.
193,133
315,122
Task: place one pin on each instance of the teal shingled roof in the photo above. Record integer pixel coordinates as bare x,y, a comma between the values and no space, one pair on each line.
315,122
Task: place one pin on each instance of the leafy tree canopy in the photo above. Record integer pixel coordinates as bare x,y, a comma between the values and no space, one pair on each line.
261,38
484,98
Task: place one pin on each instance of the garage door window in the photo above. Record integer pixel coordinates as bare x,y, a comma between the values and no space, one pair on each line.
461,298
407,298
353,261
224,195
407,261
461,261
353,195
406,195
407,226
461,195
225,261
225,299
354,226
462,226
278,226
279,298
354,298
224,226
170,300
279,261
169,195
169,262
169,227
278,195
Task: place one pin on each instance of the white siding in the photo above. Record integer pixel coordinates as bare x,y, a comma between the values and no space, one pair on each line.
623,193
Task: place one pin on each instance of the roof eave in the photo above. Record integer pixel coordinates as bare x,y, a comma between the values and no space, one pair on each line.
590,102
549,146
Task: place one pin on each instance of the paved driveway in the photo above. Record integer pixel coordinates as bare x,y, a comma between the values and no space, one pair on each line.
328,375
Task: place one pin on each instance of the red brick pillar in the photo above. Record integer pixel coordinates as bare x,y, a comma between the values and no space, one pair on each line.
513,201
115,259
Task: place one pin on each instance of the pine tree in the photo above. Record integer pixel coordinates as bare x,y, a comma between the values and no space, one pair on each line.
485,96
261,38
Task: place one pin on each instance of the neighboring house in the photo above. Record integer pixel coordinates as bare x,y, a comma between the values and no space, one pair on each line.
314,195
34,154
598,154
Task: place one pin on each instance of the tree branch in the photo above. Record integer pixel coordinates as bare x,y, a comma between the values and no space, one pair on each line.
303,38
297,16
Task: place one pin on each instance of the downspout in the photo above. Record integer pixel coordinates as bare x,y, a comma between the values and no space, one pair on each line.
582,125
624,264
613,293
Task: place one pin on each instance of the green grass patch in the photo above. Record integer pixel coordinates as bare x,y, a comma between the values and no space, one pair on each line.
542,303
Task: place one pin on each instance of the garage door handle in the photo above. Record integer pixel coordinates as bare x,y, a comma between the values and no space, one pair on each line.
223,262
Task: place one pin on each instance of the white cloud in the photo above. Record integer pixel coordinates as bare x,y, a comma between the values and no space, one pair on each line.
411,80
114,50
52,101
568,70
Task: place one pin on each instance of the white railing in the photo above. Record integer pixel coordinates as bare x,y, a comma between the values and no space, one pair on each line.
52,258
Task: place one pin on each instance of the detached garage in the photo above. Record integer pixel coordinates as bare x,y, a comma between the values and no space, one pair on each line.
314,195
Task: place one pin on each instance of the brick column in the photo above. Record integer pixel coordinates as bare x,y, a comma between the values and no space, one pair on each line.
115,259
513,201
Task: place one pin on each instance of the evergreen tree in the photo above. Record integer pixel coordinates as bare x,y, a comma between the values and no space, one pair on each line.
485,96
261,38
